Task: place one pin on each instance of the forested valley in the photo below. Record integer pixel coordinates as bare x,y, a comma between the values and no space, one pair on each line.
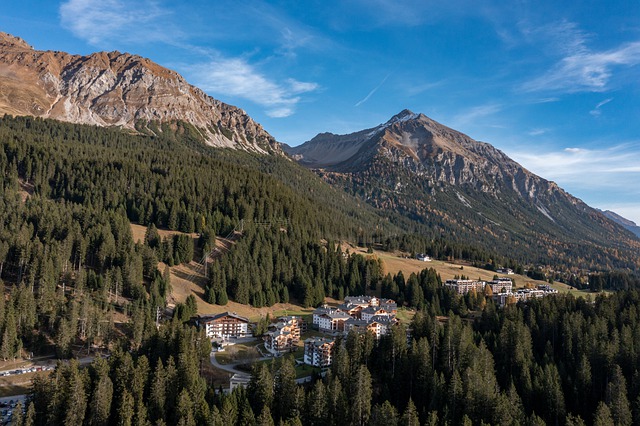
76,281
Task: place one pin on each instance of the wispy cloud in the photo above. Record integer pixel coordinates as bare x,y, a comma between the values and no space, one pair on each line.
596,111
537,132
374,90
579,69
416,89
98,22
101,22
612,167
607,175
544,100
476,113
236,77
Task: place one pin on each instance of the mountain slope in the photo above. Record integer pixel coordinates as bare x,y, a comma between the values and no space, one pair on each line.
468,191
628,224
117,89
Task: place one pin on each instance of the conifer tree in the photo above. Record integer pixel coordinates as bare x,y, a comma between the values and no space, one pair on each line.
384,415
265,419
361,393
410,415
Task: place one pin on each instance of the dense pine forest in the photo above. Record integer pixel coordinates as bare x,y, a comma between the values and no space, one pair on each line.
76,282
557,360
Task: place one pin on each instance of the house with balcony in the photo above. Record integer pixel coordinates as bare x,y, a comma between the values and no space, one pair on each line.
318,351
224,326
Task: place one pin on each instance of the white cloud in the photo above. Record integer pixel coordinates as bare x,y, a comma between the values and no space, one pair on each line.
544,100
101,21
475,113
601,177
563,37
596,111
374,90
580,69
537,132
236,77
614,167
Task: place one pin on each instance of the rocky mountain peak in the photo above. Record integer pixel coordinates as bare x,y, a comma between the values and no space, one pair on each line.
427,150
118,89
459,186
403,115
10,41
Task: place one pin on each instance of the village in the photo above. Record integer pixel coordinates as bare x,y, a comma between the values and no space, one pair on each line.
283,336
362,314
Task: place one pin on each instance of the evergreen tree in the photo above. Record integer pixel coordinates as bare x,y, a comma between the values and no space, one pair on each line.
384,415
265,419
410,415
285,389
602,416
260,390
361,393
616,398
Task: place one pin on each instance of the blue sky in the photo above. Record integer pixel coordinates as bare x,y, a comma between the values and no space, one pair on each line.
555,85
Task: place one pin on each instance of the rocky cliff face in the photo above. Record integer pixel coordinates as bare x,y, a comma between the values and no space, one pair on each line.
117,89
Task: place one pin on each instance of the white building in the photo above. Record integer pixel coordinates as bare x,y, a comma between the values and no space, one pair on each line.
224,326
465,286
318,351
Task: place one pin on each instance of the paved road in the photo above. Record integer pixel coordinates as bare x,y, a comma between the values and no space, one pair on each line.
231,368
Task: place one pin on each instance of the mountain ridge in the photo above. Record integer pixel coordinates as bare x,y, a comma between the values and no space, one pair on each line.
113,89
628,224
444,178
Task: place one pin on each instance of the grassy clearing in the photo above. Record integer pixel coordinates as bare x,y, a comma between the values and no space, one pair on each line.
13,390
405,315
394,262
311,333
304,370
18,384
138,232
237,353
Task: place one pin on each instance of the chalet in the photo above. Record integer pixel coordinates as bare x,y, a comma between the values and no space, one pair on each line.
317,351
380,325
318,312
389,306
353,310
547,288
368,313
507,271
363,301
465,286
423,257
333,321
302,324
283,336
355,324
224,326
